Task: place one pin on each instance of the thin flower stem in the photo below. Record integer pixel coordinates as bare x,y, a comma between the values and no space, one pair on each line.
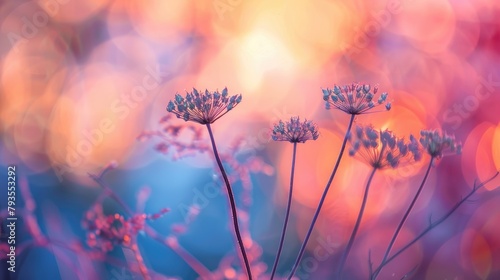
231,203
111,193
322,200
356,226
287,212
403,220
436,223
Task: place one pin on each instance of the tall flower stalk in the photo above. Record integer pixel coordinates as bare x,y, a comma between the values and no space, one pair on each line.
294,132
357,224
380,150
436,145
434,224
205,108
354,99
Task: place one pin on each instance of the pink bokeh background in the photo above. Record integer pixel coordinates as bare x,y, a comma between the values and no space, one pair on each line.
80,80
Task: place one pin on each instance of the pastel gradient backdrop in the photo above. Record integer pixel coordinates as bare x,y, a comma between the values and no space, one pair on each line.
80,80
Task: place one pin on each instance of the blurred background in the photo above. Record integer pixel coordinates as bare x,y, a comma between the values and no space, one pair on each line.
80,81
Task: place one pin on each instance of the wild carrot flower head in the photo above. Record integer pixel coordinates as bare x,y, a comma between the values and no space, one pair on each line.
354,99
203,108
295,131
382,149
438,144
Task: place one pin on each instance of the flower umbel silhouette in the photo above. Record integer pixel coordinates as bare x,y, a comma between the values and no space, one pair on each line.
203,108
382,149
293,131
438,144
206,108
354,99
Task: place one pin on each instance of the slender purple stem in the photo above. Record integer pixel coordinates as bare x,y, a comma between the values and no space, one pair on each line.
289,205
356,226
403,220
322,200
231,203
436,223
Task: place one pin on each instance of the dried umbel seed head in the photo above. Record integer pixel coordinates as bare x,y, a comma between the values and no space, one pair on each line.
295,131
203,108
438,144
354,99
382,149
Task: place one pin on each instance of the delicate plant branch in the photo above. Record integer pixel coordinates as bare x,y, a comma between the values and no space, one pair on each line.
42,241
197,266
322,200
436,223
283,232
405,216
356,226
107,231
409,273
231,203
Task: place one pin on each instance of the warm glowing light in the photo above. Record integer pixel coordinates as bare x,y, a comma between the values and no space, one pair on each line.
88,127
495,148
229,273
480,147
160,20
428,24
260,53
